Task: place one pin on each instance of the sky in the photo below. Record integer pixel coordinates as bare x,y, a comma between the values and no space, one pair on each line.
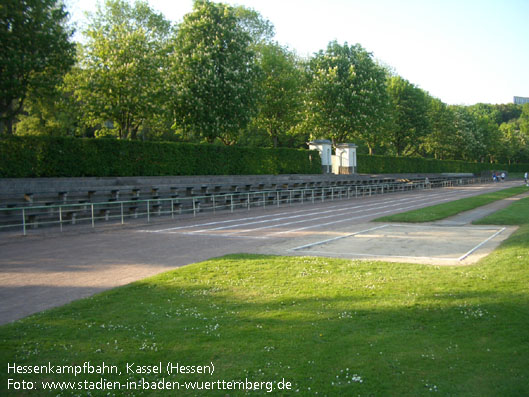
460,51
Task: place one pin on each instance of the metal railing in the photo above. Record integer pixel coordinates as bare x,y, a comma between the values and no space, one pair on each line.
26,218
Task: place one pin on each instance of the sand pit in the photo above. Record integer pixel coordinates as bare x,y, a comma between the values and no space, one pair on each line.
432,244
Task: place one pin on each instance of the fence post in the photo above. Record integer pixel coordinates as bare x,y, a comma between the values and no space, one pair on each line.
92,210
24,221
122,220
60,217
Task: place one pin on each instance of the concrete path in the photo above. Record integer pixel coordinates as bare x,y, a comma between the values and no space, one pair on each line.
468,217
44,271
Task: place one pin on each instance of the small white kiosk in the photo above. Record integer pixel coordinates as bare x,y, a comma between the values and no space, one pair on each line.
344,162
324,147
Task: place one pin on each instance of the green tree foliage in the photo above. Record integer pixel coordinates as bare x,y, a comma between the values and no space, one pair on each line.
441,141
514,143
347,94
56,114
515,138
469,139
35,52
214,74
281,93
524,119
120,75
410,106
220,77
508,112
487,118
260,29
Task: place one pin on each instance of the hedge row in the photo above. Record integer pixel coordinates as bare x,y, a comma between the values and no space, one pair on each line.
403,165
26,157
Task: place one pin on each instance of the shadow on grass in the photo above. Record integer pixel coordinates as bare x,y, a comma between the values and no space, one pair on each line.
321,324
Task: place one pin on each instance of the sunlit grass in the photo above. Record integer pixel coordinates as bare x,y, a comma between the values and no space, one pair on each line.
335,327
515,214
441,211
330,327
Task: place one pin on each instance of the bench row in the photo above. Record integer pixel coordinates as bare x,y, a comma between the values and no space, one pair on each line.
153,192
33,217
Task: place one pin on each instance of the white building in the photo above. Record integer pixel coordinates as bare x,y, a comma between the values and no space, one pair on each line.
518,100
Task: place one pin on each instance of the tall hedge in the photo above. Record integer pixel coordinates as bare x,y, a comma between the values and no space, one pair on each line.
400,165
25,157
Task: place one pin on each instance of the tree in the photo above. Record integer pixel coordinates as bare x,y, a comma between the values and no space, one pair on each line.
508,112
120,75
260,29
514,143
410,116
347,95
214,74
54,114
281,96
35,52
440,142
524,119
487,119
469,139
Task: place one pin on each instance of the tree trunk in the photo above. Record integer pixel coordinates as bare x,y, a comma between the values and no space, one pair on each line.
6,126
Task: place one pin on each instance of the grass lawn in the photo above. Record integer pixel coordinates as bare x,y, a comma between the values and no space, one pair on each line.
330,327
441,211
515,214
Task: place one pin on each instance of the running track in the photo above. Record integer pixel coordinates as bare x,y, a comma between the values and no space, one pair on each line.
41,272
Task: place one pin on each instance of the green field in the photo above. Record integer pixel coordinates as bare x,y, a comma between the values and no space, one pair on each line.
516,214
330,327
441,211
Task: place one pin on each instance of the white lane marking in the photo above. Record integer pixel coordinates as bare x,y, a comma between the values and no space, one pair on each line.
481,244
250,218
336,238
357,217
395,202
349,254
335,222
344,207
221,235
312,211
334,211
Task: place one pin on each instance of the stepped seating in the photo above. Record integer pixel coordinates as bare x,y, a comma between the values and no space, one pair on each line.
106,202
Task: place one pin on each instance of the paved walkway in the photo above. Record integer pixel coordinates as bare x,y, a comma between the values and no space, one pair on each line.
468,217
40,272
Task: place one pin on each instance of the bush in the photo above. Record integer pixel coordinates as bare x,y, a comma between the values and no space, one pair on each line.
405,165
25,157
31,156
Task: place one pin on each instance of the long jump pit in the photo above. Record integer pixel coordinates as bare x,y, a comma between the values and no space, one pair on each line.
428,244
